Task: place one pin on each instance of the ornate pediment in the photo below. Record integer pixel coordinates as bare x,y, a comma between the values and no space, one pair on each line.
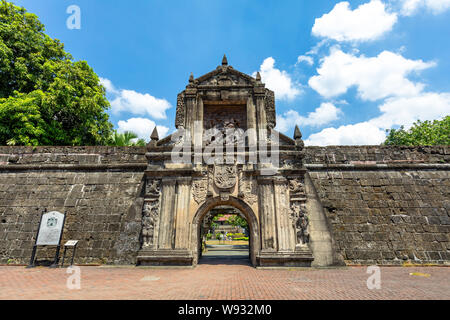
225,76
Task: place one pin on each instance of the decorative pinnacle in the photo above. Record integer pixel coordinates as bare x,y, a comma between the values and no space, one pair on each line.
224,60
297,133
258,76
191,78
155,136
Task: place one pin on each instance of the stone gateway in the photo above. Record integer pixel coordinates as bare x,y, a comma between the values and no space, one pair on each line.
305,206
234,113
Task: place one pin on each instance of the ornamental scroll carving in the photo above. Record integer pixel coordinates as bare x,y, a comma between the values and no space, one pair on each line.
248,189
270,109
180,114
150,212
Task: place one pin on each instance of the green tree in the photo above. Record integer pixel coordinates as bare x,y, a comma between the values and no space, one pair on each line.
57,101
237,221
126,139
422,133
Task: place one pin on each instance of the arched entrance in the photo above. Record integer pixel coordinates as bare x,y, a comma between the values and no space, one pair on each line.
233,202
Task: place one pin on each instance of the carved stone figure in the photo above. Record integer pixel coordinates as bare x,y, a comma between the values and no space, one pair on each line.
149,219
301,222
302,230
296,187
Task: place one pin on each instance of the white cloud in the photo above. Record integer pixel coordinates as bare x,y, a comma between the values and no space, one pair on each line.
406,110
324,114
140,104
367,22
278,80
375,77
108,86
395,112
363,133
142,127
135,102
309,60
411,7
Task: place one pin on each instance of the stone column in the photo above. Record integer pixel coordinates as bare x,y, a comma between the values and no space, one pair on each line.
251,121
267,215
166,222
198,126
262,120
182,213
285,229
191,110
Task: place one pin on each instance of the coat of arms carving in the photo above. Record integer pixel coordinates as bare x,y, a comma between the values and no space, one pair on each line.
225,176
200,189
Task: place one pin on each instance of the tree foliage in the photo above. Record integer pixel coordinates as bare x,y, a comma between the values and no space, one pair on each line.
237,221
126,139
424,133
45,97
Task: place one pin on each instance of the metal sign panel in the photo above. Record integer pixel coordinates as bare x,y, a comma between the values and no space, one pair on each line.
50,230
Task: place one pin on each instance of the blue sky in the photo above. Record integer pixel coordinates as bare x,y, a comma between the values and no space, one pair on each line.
343,71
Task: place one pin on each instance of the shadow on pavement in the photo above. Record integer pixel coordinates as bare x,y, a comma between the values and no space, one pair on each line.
226,254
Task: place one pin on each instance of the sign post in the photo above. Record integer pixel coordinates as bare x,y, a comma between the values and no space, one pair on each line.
70,244
49,234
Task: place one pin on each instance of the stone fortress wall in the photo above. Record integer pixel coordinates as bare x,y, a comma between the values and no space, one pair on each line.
385,205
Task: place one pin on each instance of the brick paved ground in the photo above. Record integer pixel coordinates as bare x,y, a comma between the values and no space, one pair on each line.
219,281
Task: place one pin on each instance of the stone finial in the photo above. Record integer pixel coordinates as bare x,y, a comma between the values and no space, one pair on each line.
258,77
297,133
224,60
191,78
298,138
154,139
154,136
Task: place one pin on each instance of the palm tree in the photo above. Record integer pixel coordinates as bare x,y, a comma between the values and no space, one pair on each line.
126,139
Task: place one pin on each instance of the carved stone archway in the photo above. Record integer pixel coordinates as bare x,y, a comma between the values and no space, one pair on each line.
237,203
261,174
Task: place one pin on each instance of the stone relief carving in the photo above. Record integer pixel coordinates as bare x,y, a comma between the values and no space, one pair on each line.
298,210
149,222
200,190
180,118
225,176
225,78
248,189
301,222
223,132
296,188
270,109
150,212
152,188
210,176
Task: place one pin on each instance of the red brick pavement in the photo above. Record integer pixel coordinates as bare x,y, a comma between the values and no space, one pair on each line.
224,282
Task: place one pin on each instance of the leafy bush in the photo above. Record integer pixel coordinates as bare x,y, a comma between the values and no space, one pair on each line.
241,238
208,236
422,133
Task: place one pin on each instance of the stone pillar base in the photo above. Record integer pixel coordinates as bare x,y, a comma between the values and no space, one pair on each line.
299,258
165,258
